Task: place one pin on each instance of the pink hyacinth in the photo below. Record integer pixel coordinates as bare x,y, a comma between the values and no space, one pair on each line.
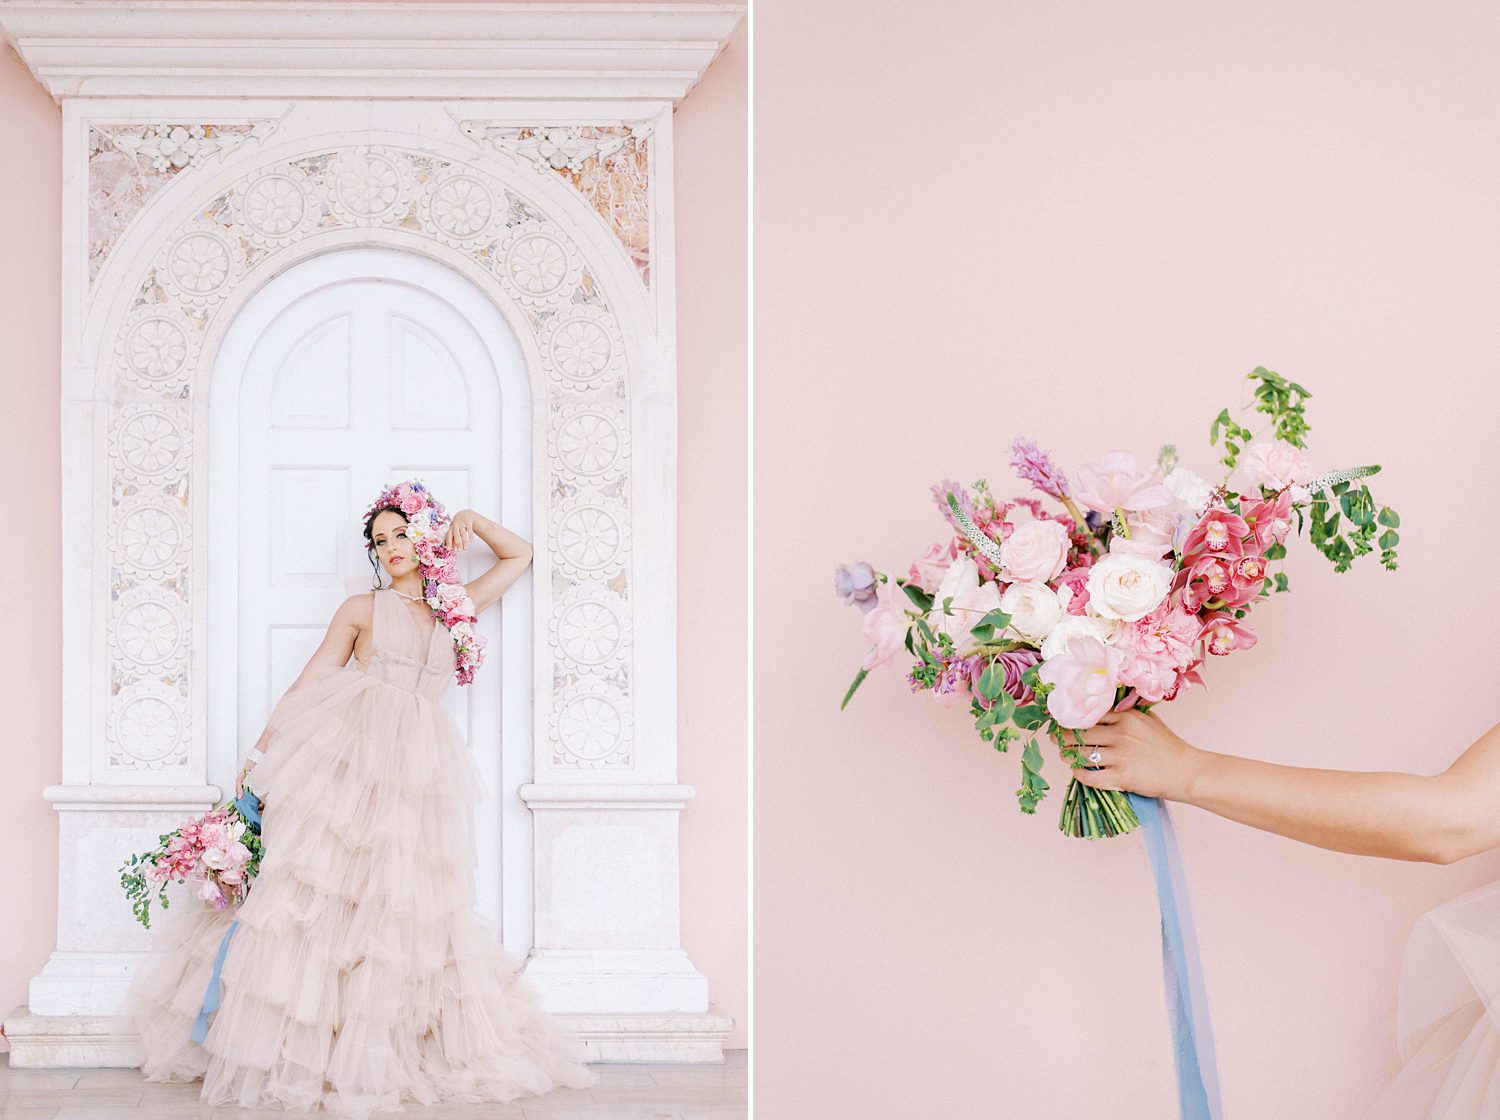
1036,467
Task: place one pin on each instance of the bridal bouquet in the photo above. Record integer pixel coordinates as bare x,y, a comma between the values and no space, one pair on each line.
1043,620
221,850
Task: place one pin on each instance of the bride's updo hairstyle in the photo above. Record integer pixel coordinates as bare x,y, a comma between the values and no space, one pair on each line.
442,586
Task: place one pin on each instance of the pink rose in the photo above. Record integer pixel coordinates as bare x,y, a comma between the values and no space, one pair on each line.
1085,678
1035,551
1116,482
1078,579
886,624
1276,464
927,571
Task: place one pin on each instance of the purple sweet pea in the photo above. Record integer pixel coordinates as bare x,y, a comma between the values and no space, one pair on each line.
855,583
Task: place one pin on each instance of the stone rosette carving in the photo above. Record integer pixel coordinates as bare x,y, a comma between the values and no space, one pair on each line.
582,347
157,348
590,628
590,725
158,364
589,442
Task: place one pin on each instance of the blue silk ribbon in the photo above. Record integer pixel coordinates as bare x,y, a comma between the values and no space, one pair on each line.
249,806
211,996
1182,972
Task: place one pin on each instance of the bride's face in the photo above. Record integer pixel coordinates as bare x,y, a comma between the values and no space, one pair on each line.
392,547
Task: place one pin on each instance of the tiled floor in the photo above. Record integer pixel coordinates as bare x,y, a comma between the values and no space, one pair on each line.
624,1092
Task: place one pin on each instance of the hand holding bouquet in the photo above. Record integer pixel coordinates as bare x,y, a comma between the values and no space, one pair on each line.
1044,620
221,850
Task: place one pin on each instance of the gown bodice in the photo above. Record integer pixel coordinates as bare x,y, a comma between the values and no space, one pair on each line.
401,656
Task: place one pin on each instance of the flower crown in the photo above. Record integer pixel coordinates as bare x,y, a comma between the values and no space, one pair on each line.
443,588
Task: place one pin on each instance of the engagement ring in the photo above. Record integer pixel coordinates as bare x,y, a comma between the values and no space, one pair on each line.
1095,757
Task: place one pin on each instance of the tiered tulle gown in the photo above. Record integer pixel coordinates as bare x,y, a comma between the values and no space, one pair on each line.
360,976
1448,1015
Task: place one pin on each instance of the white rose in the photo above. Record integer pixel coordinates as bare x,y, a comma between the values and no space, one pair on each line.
1127,585
1034,608
1077,626
971,602
1190,491
1035,550
1276,464
215,858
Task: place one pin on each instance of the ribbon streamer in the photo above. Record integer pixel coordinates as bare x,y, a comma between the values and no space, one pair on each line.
249,806
211,996
1182,971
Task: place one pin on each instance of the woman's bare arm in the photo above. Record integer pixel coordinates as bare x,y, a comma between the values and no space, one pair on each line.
332,653
514,554
1438,819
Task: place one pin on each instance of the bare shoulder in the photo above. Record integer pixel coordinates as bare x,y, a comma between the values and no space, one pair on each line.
355,611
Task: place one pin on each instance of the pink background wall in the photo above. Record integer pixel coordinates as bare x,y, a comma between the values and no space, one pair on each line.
711,186
1085,223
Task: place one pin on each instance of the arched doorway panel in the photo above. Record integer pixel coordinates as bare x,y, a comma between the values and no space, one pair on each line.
346,371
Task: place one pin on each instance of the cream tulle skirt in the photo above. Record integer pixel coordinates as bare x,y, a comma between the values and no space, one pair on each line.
360,976
1448,1015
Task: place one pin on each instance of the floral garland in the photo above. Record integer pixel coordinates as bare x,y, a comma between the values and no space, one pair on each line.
442,586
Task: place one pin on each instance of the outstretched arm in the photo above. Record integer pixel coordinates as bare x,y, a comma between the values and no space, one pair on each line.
1438,819
333,652
514,554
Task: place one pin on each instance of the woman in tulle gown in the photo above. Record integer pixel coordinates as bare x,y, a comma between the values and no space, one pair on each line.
1448,998
359,976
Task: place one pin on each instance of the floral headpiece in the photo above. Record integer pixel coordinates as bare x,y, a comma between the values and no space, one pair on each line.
442,586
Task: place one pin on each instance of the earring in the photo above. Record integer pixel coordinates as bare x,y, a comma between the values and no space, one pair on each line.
376,585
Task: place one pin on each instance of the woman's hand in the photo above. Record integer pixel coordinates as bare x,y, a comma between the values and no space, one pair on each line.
460,530
239,781
1139,753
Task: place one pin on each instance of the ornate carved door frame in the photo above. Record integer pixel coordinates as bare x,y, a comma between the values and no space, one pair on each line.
529,147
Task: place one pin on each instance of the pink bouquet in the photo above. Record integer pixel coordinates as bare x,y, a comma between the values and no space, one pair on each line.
221,850
1043,621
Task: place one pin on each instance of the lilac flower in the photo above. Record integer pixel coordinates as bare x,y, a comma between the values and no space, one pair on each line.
1036,467
855,583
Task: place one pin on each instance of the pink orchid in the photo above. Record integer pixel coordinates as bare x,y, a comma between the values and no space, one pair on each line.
1218,531
1223,634
1270,520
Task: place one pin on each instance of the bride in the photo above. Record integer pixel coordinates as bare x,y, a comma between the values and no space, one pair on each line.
356,975
1448,1010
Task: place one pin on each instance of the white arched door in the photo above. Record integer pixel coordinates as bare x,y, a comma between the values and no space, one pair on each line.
352,370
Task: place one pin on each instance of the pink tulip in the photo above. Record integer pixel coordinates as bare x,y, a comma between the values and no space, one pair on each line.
1085,678
1115,481
886,624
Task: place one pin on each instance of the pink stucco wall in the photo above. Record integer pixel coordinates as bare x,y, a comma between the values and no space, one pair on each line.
1085,223
711,135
